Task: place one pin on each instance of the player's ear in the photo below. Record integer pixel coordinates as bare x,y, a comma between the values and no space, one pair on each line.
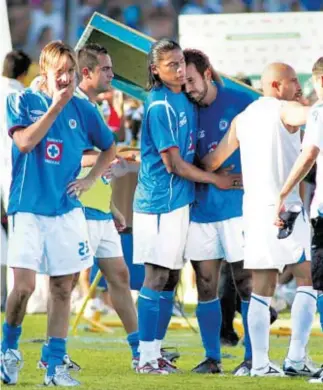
208,74
275,84
153,68
85,72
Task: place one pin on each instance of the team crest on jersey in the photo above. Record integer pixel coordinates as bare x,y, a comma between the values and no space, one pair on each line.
212,146
223,125
191,146
35,115
72,123
182,119
53,152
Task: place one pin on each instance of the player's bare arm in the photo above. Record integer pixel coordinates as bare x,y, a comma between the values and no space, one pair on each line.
226,147
27,138
301,168
175,164
294,114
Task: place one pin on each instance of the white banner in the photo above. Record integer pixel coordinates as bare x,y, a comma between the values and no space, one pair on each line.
5,42
248,42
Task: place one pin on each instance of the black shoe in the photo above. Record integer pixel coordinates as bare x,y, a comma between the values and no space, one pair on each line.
208,366
243,369
319,373
229,339
168,355
273,315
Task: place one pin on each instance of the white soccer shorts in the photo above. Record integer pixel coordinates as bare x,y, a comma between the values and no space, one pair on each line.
55,246
105,239
216,240
160,239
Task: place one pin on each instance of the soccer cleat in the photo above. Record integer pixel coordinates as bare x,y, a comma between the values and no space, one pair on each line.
61,377
11,364
304,367
71,365
134,362
208,366
270,370
151,368
318,377
168,355
243,369
164,364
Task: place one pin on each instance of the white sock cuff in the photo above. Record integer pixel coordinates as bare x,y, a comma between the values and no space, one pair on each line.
259,298
309,290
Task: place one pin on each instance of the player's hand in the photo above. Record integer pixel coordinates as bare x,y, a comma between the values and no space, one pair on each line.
225,180
62,96
119,221
77,187
278,209
119,167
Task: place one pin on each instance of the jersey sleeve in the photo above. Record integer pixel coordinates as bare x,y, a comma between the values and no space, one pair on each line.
17,112
313,135
163,126
100,135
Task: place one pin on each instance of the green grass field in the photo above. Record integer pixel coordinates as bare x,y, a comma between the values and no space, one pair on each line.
105,362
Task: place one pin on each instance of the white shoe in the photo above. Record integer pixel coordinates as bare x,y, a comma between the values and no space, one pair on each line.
318,377
151,368
304,367
316,380
11,364
70,364
269,370
61,377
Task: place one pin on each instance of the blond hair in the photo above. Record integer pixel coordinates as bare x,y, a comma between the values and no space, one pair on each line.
51,56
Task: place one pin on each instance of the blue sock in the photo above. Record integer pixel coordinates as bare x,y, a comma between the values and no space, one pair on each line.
44,353
148,312
247,342
10,336
133,340
166,304
209,317
57,351
320,308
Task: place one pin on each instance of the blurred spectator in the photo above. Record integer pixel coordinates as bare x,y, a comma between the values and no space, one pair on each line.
311,5
161,20
19,21
244,79
197,7
45,36
43,17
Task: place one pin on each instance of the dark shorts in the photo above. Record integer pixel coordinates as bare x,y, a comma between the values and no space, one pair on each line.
317,254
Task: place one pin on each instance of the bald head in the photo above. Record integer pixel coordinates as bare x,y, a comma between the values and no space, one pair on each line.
279,80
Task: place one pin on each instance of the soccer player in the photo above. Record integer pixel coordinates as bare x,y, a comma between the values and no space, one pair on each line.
268,135
312,152
216,230
95,66
50,130
164,192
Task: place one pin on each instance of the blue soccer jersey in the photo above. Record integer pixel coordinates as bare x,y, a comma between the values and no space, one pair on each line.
213,204
169,121
40,177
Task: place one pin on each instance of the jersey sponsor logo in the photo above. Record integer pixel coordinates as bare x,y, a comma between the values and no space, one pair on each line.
182,119
72,123
223,125
35,115
201,134
212,146
53,152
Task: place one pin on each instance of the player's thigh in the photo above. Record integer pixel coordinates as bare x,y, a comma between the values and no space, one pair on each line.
67,244
207,273
231,236
264,282
203,242
115,270
26,242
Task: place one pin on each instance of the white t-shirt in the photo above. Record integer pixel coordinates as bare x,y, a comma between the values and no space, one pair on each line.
314,137
268,153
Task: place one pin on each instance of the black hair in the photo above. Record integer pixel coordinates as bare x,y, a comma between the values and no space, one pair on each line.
157,50
16,63
87,56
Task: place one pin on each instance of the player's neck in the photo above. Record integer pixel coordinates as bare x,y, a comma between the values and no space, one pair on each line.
211,94
89,92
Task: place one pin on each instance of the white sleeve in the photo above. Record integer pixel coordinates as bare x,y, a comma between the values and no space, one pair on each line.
314,129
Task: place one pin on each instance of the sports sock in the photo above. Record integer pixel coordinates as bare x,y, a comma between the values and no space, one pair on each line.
10,336
57,351
320,308
44,353
166,303
244,314
133,341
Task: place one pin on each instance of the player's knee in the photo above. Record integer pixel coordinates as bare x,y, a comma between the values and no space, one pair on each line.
75,280
207,288
157,279
172,281
243,284
121,277
25,289
61,289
